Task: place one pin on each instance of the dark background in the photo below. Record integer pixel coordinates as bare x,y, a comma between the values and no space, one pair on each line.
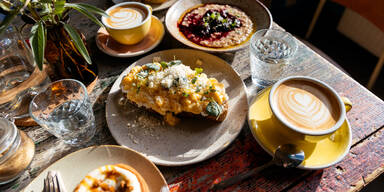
356,61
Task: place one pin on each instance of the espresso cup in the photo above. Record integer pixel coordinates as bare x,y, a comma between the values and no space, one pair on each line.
129,22
307,109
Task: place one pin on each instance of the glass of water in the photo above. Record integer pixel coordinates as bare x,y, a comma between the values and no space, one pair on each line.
271,53
64,110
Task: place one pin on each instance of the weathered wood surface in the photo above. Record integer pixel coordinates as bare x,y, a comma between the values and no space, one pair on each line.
362,164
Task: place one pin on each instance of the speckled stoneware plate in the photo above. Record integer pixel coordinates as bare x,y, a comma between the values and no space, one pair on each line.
190,141
111,47
257,12
75,166
155,6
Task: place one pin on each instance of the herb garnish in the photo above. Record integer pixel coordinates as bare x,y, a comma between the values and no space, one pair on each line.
211,89
164,64
185,94
194,79
152,66
198,70
143,74
214,109
175,62
175,82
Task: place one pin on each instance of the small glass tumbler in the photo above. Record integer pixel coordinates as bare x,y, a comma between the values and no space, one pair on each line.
271,53
64,110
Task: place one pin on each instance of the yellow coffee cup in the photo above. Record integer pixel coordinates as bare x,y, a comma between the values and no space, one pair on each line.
307,109
129,22
322,148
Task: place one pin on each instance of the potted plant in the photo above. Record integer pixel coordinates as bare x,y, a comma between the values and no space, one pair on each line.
53,38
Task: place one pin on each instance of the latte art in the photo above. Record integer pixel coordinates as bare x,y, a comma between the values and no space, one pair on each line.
125,17
306,105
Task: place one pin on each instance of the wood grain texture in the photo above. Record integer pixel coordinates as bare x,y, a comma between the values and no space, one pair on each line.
362,164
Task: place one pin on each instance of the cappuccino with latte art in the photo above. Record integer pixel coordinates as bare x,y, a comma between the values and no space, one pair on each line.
128,22
306,105
125,17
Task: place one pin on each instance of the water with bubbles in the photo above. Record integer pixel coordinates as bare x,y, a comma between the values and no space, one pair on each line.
72,121
269,58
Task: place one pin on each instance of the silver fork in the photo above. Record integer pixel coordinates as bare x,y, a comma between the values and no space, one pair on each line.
53,182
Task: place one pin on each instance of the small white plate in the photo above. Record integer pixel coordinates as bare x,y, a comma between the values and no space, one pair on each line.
192,140
75,166
155,7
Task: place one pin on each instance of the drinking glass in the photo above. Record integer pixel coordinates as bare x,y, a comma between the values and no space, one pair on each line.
64,110
271,53
20,79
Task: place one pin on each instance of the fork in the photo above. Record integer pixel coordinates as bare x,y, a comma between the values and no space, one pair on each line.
53,182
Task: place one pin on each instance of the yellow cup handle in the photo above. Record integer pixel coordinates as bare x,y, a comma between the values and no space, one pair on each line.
150,7
347,103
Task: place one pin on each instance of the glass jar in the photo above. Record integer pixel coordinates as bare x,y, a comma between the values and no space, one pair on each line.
16,151
20,78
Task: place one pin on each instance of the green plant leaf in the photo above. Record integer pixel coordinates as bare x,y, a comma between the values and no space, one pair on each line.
79,44
59,7
6,5
80,8
91,8
38,43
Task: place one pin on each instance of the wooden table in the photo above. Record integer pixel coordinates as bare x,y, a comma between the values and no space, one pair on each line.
364,162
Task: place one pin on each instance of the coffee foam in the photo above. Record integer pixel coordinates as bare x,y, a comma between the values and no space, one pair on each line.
125,17
305,105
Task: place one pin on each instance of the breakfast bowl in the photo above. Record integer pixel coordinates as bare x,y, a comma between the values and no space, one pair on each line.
248,14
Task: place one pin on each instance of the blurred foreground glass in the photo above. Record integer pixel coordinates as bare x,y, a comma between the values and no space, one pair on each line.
64,110
16,151
271,52
20,79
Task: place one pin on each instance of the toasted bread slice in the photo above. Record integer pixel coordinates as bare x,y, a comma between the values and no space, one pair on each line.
219,118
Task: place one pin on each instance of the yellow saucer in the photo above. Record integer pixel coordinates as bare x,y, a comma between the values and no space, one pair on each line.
318,155
111,47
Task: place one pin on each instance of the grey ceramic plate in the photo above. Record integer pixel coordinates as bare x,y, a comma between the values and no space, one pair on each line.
258,13
192,140
155,7
75,166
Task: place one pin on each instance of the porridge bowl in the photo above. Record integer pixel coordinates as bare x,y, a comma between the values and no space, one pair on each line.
216,25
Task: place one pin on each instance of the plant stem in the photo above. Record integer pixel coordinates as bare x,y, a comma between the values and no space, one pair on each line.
34,14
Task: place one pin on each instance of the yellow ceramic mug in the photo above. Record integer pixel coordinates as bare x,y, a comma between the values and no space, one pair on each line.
322,149
129,22
293,123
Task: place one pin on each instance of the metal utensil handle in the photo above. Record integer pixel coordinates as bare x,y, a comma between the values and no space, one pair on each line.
242,176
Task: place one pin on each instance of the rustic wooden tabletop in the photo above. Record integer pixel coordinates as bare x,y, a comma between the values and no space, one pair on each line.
363,164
